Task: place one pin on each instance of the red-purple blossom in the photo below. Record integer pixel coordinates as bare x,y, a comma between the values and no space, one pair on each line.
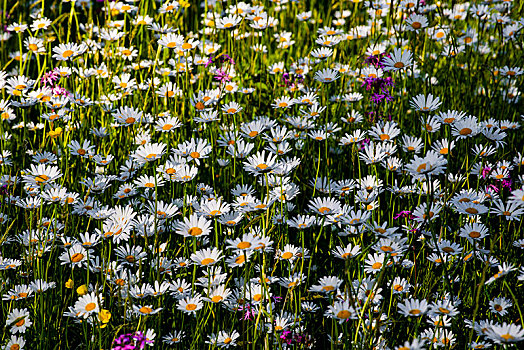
222,75
404,214
50,77
485,172
131,341
379,88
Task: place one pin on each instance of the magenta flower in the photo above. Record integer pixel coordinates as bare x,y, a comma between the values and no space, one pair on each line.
50,77
404,214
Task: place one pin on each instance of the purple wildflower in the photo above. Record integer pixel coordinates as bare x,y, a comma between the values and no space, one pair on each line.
404,214
276,299
506,183
493,188
58,90
124,342
364,142
141,340
209,61
485,172
50,77
379,88
222,75
376,61
131,341
249,313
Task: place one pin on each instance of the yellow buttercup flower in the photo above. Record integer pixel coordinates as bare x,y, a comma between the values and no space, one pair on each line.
82,290
55,133
104,316
184,4
69,284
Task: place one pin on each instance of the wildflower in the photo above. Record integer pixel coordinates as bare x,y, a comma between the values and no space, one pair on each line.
413,308
500,306
416,22
207,256
398,60
327,75
195,226
15,343
18,320
425,104
104,316
505,333
87,305
190,305
68,51
379,88
149,152
341,311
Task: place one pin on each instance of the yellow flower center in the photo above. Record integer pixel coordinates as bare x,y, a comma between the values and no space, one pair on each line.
90,307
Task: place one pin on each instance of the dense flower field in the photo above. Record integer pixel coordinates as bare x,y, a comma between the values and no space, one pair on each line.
269,175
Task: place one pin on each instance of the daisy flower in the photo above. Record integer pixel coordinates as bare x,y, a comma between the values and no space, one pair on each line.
231,108
342,311
397,60
327,75
422,103
505,333
190,305
87,305
68,51
413,307
145,310
149,152
346,253
18,320
76,256
260,163
415,344
194,226
128,116
174,337
500,306
205,257
283,102
326,285
228,22
374,263
465,127
41,174
325,206
416,22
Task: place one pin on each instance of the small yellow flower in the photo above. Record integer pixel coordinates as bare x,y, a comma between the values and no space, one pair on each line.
55,133
82,290
104,316
184,3
69,284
